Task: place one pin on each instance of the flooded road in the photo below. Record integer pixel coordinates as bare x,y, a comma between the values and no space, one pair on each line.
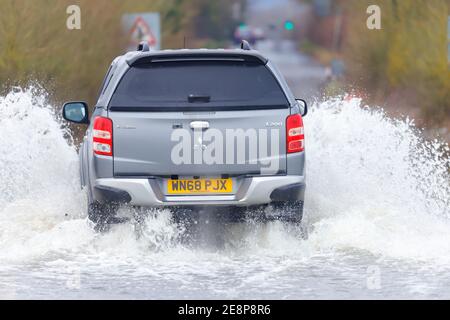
377,217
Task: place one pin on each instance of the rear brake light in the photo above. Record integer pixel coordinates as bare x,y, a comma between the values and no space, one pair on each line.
295,135
103,136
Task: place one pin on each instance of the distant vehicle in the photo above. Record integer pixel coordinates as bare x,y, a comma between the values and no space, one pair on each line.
245,32
259,34
132,153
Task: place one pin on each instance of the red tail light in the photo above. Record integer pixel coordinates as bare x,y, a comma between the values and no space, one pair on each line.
103,136
295,135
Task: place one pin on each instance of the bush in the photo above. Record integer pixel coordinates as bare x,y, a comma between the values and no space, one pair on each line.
35,44
410,52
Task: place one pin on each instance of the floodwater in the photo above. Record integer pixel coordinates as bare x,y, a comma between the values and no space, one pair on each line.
377,220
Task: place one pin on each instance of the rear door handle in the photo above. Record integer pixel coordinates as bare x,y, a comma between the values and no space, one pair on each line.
202,125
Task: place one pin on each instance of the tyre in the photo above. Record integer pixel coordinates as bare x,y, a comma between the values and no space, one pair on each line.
102,215
288,212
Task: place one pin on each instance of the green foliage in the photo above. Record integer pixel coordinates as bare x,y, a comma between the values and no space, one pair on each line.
410,52
35,44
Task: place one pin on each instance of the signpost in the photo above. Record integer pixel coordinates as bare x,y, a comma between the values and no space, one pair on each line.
140,27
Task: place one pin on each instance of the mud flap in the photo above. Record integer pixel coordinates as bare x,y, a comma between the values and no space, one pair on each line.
103,215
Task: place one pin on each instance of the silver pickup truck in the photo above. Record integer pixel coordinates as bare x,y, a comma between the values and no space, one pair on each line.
193,128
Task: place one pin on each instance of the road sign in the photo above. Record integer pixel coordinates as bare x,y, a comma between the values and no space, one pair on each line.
140,27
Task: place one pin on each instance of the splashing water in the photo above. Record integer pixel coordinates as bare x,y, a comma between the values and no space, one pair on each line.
375,184
39,188
377,194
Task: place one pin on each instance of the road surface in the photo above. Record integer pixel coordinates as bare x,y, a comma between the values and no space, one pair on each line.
304,75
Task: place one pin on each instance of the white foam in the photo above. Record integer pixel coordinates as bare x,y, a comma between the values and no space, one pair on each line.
373,184
39,184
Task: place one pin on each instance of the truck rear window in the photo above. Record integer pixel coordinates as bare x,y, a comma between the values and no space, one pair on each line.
197,85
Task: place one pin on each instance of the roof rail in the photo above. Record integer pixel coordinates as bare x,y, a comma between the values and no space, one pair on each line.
143,46
245,45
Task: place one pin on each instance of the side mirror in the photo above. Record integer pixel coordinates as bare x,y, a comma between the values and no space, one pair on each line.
303,107
76,112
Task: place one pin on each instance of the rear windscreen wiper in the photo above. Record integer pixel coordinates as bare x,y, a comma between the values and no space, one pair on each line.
198,98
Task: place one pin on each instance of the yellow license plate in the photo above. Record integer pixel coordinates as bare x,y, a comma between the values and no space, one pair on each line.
192,186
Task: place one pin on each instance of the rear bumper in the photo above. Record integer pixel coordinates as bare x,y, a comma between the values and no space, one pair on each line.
251,191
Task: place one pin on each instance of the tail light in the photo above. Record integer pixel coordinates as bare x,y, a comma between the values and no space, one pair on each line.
103,136
295,135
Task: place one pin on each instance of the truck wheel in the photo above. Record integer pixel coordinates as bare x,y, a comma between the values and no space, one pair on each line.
289,212
102,215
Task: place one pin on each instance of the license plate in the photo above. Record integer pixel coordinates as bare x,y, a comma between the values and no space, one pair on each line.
192,186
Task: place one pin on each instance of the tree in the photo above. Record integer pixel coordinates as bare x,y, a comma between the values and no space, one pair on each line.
409,52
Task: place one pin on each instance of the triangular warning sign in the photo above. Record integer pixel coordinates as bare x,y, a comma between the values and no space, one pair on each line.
140,31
